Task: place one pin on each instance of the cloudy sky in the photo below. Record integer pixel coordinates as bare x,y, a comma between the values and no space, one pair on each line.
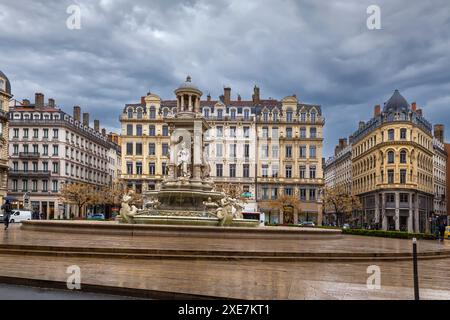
321,51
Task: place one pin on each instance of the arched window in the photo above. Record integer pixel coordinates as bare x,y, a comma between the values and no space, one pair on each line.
275,116
246,114
165,112
391,157
391,134
313,117
265,116
403,156
130,113
233,114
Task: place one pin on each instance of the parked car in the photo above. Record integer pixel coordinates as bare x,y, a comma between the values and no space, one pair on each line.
345,226
96,216
19,216
447,233
307,224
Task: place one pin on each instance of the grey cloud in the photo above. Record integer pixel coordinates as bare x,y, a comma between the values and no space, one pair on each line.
319,50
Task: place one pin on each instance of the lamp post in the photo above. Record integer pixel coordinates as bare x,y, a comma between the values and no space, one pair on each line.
415,271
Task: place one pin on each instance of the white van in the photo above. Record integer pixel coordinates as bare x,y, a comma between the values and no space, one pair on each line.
19,216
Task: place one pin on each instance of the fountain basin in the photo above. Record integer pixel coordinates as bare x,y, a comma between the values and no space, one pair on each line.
190,220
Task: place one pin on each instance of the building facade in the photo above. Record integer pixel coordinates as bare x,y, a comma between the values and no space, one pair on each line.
392,167
439,174
338,173
265,147
49,148
5,96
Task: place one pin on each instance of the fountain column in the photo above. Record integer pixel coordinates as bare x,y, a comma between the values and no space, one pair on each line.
198,151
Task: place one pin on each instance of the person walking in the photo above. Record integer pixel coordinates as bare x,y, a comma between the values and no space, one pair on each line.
441,231
7,208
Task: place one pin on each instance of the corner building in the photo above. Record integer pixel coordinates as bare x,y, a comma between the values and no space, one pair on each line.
392,167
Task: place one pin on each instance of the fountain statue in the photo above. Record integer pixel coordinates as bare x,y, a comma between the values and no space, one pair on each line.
187,195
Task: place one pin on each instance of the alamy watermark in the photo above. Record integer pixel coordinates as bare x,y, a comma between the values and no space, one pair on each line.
73,22
74,279
374,280
374,19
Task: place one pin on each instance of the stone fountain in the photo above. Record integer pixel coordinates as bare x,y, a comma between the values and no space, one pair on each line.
187,194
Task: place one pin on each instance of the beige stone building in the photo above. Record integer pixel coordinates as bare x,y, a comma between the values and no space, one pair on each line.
267,147
440,158
5,96
392,167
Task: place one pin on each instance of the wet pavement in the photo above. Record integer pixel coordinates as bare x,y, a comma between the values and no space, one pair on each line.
236,279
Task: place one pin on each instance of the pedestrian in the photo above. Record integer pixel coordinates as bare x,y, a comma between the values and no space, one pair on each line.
441,231
7,208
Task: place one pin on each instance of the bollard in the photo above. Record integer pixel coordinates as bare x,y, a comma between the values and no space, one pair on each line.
415,271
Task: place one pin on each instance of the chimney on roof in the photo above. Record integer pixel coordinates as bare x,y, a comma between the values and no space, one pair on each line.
51,102
97,125
239,97
255,96
419,112
25,102
208,97
77,113
439,132
142,101
104,131
86,119
414,106
38,100
377,110
227,95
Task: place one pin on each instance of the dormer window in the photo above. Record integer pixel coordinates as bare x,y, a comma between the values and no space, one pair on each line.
275,117
265,116
152,113
206,112
233,114
139,113
2,85
289,116
313,117
219,113
130,113
246,114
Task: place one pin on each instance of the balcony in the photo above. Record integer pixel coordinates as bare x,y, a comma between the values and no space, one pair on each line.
29,155
28,173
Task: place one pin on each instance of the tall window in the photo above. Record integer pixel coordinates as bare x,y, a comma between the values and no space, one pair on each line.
275,151
289,132
313,132
219,170
129,148
246,170
219,114
313,117
54,185
139,149
312,152
233,114
302,132
139,113
129,167
302,172
265,116
25,133
302,152
139,130
45,133
233,132
151,149
219,131
246,150
312,194
391,157
275,117
246,132
312,172
130,113
206,113
288,171
233,150
289,116
151,130
165,149
233,170
390,176
246,115
35,133
403,134
165,131
55,150
288,151
403,156
265,170
265,132
402,176
274,170
55,133
219,150
391,134
151,168
152,113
